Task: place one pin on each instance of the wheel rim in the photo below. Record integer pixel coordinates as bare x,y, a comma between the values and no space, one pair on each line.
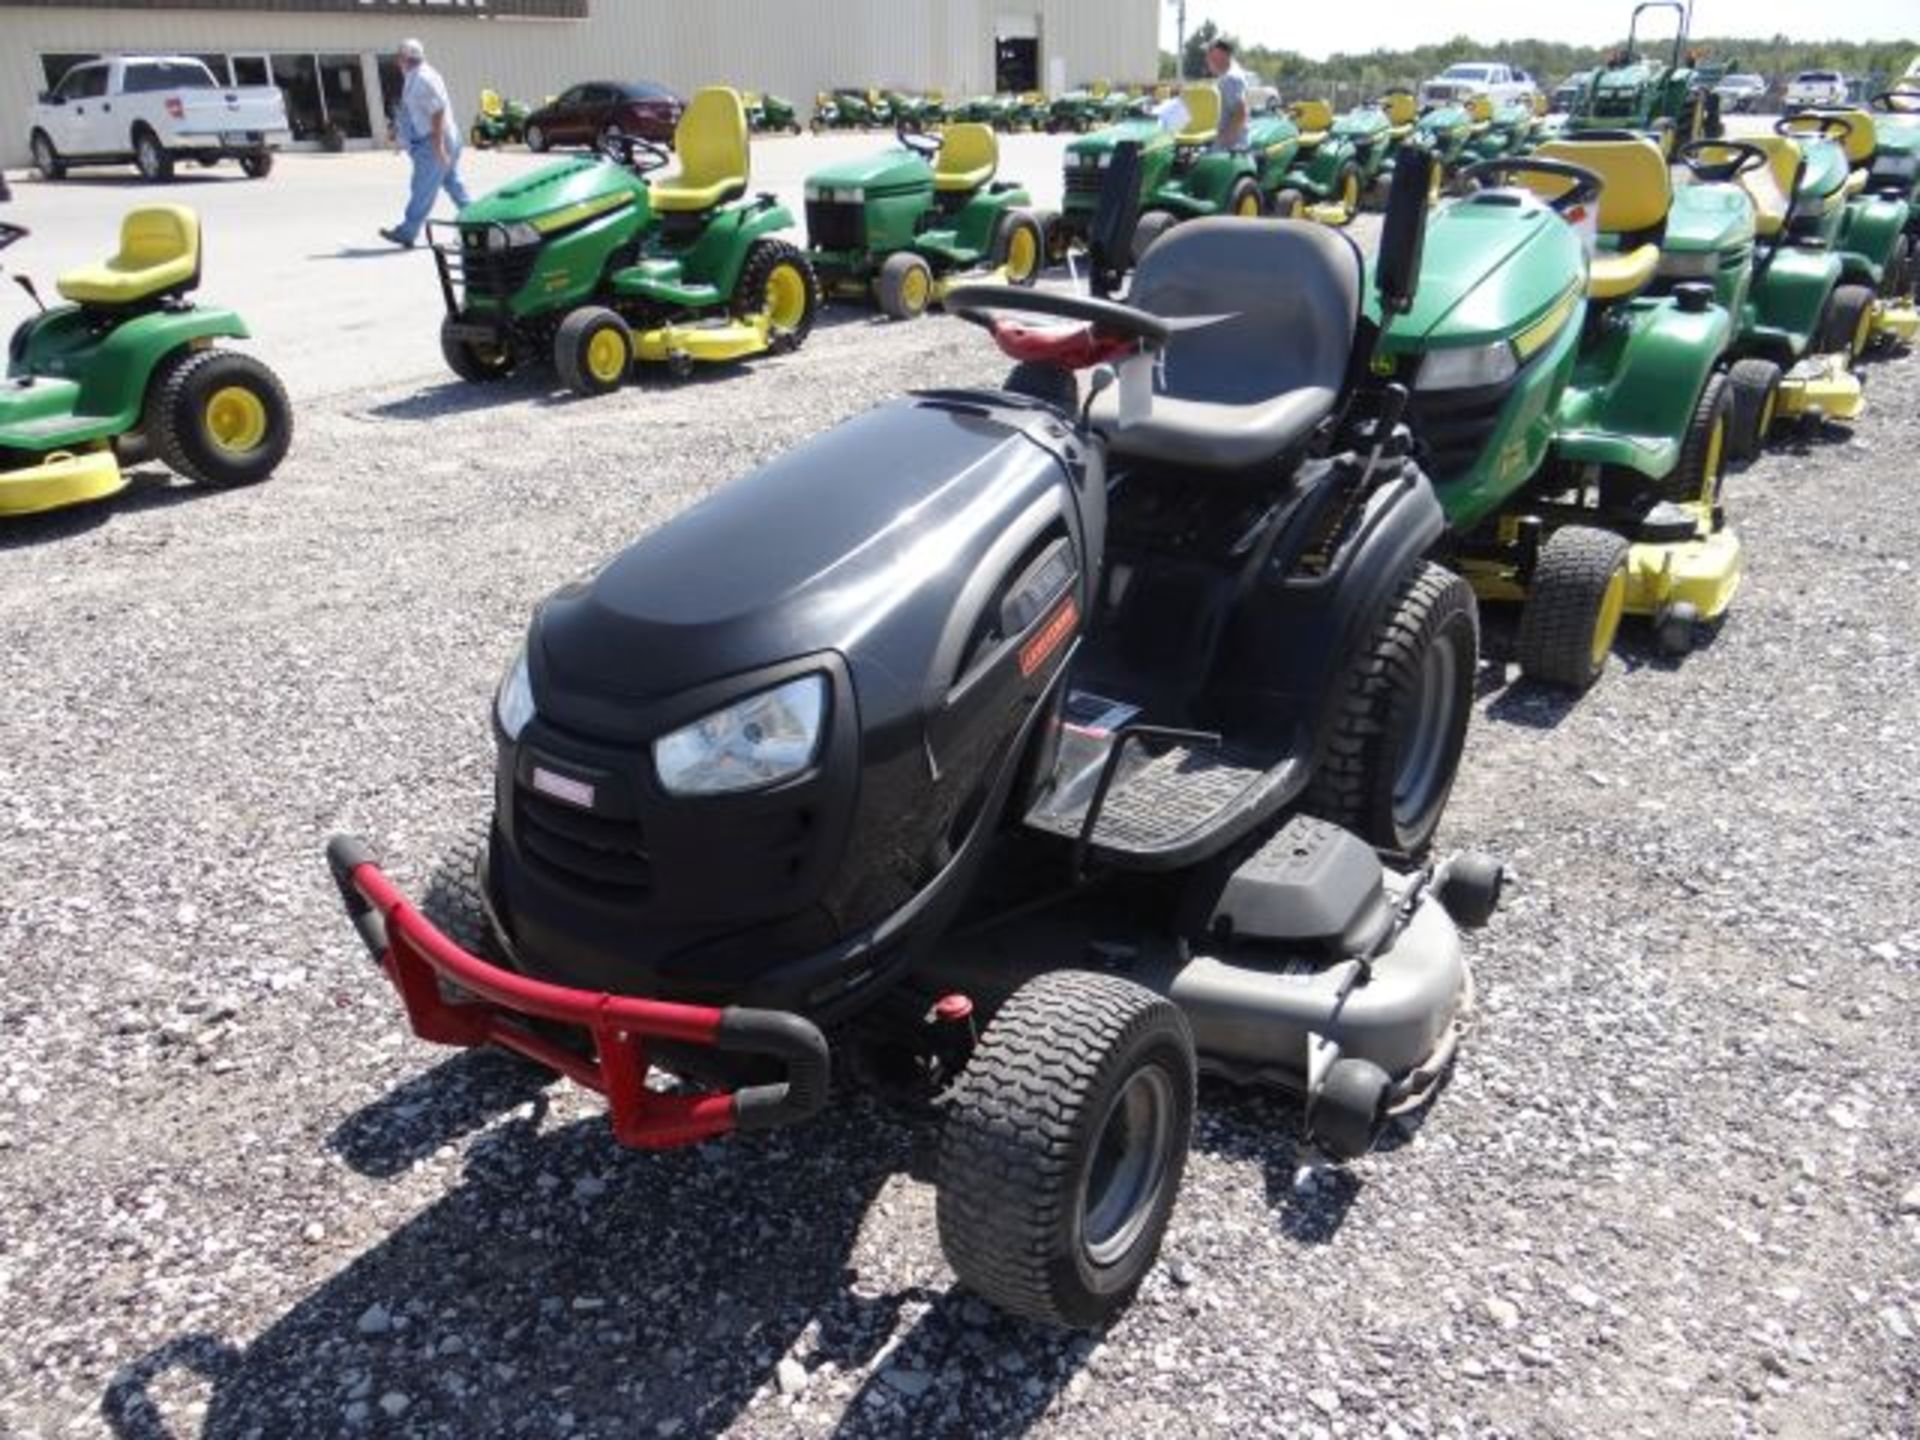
1862,332
1128,1166
236,419
606,355
42,152
1606,625
149,159
1768,410
915,286
1423,754
1248,208
1716,453
1350,193
786,297
1023,254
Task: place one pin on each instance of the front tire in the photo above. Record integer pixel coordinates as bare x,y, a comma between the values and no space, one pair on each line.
218,417
1288,204
1400,716
1150,227
1064,1145
1573,608
1755,388
593,350
150,157
1245,200
476,363
904,287
46,159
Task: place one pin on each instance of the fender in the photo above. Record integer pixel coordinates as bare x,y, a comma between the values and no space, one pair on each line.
113,371
1322,167
1633,393
1211,177
979,219
1868,230
717,256
1789,295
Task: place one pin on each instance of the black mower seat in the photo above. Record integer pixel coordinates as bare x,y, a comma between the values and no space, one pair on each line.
1243,391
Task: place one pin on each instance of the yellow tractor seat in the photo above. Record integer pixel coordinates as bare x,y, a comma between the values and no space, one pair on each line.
1638,189
1771,189
490,104
159,256
1203,115
1100,89
711,141
1479,109
1615,276
1312,118
969,154
1862,140
1401,109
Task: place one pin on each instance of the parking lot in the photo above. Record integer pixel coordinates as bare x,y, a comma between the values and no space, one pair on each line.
1674,1184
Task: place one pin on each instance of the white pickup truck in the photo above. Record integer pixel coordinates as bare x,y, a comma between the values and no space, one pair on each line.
153,110
1499,83
1811,88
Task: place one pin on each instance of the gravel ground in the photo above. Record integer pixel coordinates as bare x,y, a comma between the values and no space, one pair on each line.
1674,1186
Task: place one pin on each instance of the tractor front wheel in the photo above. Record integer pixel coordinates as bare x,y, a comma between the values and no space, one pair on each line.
474,361
1574,604
218,417
1703,453
1755,387
1244,200
593,351
776,281
1064,1145
1150,227
904,287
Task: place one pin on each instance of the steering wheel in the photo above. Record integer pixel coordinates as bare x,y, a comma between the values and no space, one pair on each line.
1826,127
912,137
1583,189
10,233
1896,102
643,157
977,304
1739,157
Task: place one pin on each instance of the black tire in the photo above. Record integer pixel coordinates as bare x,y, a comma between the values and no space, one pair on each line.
1348,182
1897,281
479,138
1703,452
478,364
1288,204
257,164
453,902
187,403
753,294
1073,1067
537,139
1845,327
150,157
1059,388
904,288
1013,224
1345,1115
1570,608
46,157
1755,389
582,332
1150,228
1245,199
1400,716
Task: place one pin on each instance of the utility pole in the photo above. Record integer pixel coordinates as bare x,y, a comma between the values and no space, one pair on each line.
1179,39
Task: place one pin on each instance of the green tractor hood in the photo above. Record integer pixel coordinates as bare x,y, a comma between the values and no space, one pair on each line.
558,195
1148,134
895,171
1491,271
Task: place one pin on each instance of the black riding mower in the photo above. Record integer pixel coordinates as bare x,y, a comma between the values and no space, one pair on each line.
978,752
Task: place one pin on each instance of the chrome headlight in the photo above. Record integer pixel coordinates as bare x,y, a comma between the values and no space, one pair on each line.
511,237
752,743
1467,368
513,705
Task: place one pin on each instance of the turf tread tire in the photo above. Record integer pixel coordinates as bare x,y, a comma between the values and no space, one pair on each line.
1021,1120
176,404
1149,228
750,291
461,359
889,287
1750,382
1570,579
453,902
1841,321
1687,481
570,350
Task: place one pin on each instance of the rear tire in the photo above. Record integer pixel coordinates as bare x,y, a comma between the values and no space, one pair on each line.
1245,200
904,287
1400,716
1348,191
1755,388
476,364
150,157
1848,321
777,281
1020,244
257,164
1703,454
1288,204
1151,227
1064,1145
218,417
1573,608
584,351
1059,388
46,159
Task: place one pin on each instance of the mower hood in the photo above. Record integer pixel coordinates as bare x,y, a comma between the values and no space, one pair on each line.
1145,133
1494,266
890,172
583,187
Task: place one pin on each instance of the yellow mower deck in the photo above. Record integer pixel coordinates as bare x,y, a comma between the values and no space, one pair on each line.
709,343
1820,385
60,480
1896,320
1704,572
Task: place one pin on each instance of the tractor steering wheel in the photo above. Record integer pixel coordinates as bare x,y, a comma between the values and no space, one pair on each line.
977,304
912,137
1583,188
643,157
1896,102
1738,157
1808,123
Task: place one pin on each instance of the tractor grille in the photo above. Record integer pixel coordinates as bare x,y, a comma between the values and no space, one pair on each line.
1453,427
1084,181
836,225
493,274
593,851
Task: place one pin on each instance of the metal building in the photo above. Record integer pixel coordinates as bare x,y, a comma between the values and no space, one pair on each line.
333,58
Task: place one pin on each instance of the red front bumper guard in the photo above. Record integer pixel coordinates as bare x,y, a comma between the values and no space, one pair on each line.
495,1003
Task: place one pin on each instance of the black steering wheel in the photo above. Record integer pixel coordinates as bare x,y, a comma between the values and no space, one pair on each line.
976,303
1738,157
912,137
643,157
1826,127
1584,185
10,233
1896,102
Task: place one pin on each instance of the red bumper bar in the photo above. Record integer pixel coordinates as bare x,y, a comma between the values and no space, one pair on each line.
494,1004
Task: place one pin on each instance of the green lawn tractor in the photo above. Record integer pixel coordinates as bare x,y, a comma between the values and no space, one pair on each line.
770,114
1573,422
1796,323
843,110
1894,169
1835,208
916,112
591,263
131,369
1509,131
1450,132
1338,161
1658,94
500,122
905,224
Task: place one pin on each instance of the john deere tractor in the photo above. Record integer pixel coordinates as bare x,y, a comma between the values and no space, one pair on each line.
1658,93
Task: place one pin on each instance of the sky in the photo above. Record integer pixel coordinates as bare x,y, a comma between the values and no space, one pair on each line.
1319,29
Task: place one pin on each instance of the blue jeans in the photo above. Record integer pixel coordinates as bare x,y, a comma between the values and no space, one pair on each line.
429,178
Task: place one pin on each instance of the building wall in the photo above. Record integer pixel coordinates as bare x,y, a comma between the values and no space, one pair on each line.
791,47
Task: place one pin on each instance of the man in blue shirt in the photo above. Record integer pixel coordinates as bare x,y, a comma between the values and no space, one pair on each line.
1231,81
424,124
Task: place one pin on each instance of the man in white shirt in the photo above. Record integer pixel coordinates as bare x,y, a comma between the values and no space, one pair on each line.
1232,83
424,124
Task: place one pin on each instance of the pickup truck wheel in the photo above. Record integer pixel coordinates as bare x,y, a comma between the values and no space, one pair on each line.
150,157
46,159
257,164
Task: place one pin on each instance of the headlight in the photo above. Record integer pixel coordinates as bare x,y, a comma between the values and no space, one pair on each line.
1689,265
752,743
850,196
512,236
513,706
1467,368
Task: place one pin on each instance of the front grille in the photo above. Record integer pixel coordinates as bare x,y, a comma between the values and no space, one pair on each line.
1085,182
836,225
1453,427
593,851
497,274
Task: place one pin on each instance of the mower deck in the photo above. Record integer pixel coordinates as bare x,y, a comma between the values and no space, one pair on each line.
60,480
1822,387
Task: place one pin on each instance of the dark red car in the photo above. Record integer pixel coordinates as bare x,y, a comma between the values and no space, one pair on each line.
585,113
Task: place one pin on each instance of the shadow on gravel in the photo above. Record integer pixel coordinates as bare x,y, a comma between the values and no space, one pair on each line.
563,1285
147,489
1531,705
1252,1125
